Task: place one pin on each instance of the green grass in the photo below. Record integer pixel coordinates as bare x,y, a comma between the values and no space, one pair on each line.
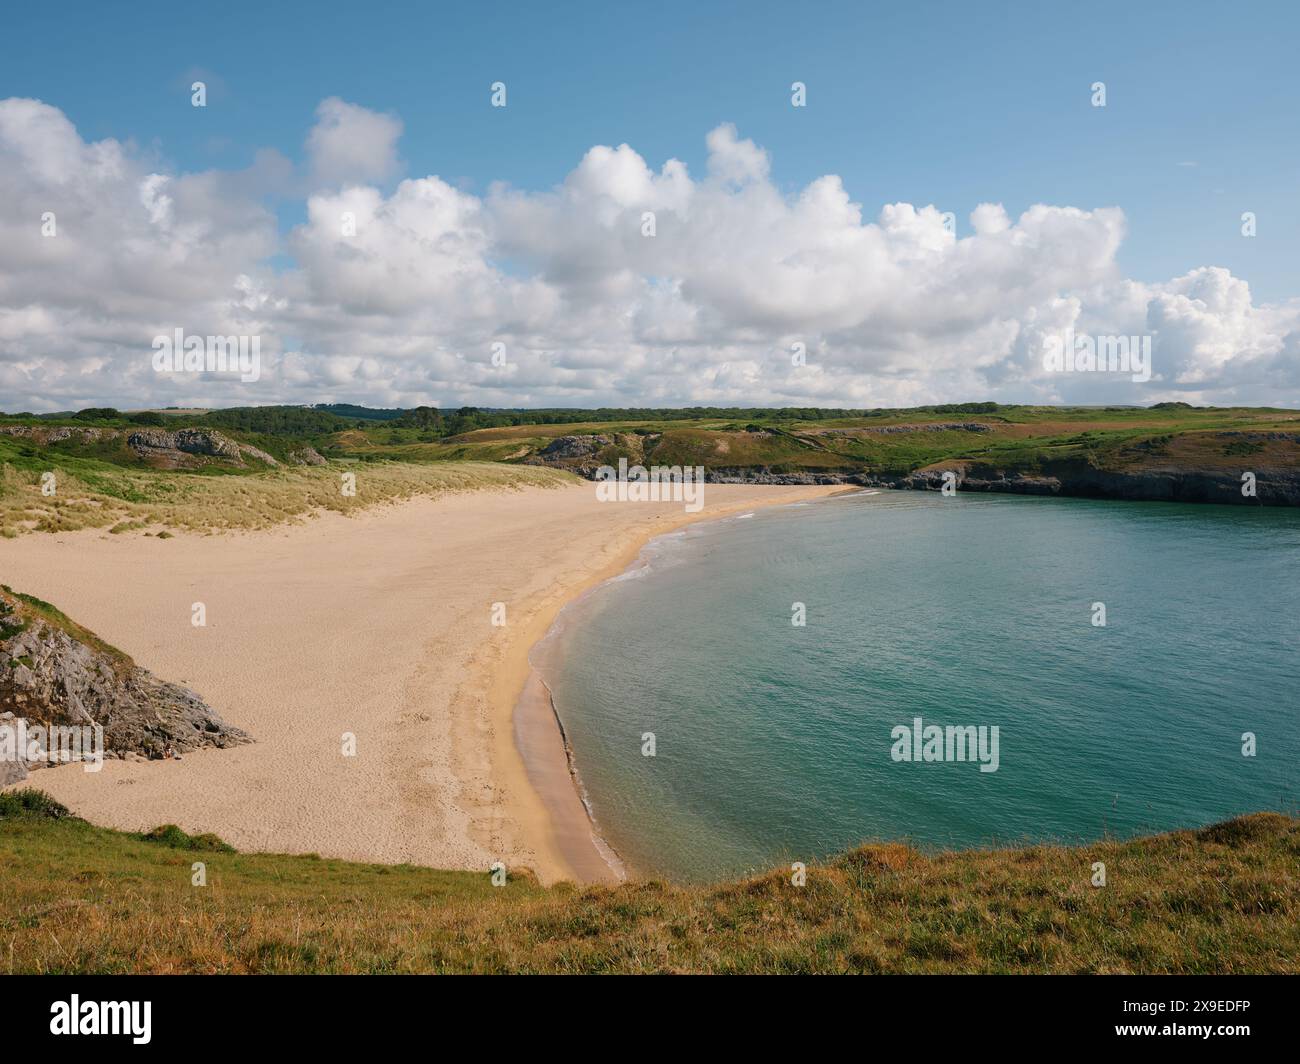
1020,439
103,484
77,898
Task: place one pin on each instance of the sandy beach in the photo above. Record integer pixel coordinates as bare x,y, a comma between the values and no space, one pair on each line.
378,625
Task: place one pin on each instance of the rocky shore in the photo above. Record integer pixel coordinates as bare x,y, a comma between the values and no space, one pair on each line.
1076,480
54,673
1154,479
1272,487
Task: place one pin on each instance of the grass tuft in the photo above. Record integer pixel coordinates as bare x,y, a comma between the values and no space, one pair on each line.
171,835
79,898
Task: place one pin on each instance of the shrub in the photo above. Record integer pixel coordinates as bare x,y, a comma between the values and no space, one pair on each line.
31,804
171,835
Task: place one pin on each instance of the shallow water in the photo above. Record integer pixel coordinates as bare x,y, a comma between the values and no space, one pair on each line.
773,742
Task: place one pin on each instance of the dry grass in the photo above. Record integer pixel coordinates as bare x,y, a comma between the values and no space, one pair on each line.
75,898
125,500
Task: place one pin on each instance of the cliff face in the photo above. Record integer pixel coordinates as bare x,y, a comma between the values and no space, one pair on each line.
52,672
1149,472
765,475
1078,480
1273,487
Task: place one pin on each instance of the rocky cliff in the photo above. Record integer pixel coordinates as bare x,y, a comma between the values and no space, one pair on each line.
1181,470
1168,483
53,672
1272,487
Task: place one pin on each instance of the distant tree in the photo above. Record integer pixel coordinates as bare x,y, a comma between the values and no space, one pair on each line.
422,417
277,420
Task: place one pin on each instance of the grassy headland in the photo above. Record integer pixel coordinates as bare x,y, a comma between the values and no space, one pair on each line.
77,898
105,478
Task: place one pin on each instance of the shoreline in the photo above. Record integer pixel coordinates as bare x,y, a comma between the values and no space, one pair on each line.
539,741
377,625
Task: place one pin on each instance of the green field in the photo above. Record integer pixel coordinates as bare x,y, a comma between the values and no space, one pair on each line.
77,898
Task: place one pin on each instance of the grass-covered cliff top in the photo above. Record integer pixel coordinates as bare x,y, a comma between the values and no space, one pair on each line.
77,898
105,477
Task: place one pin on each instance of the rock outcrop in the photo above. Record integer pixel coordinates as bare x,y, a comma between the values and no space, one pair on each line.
587,453
250,451
888,430
307,455
766,475
52,672
190,448
570,448
58,434
11,771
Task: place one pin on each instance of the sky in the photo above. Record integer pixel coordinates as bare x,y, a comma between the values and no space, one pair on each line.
948,199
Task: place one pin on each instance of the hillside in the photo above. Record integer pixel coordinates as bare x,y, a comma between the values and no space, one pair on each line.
62,478
76,898
1167,454
255,466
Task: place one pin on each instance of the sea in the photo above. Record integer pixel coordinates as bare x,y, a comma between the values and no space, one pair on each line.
768,688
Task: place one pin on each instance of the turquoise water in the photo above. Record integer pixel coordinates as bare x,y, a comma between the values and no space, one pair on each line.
773,742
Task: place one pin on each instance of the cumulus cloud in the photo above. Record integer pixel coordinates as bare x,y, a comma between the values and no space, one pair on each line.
350,144
99,253
397,297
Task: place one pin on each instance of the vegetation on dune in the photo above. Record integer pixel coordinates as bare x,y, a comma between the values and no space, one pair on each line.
76,898
105,482
94,494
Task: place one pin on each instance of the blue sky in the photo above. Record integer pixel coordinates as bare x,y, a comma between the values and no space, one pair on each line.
478,225
950,104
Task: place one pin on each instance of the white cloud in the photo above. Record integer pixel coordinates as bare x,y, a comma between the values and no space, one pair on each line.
735,160
395,298
352,144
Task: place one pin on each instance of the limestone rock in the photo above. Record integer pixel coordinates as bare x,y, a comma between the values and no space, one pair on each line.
191,448
48,675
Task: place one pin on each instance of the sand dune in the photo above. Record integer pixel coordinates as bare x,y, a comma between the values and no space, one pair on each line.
378,625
